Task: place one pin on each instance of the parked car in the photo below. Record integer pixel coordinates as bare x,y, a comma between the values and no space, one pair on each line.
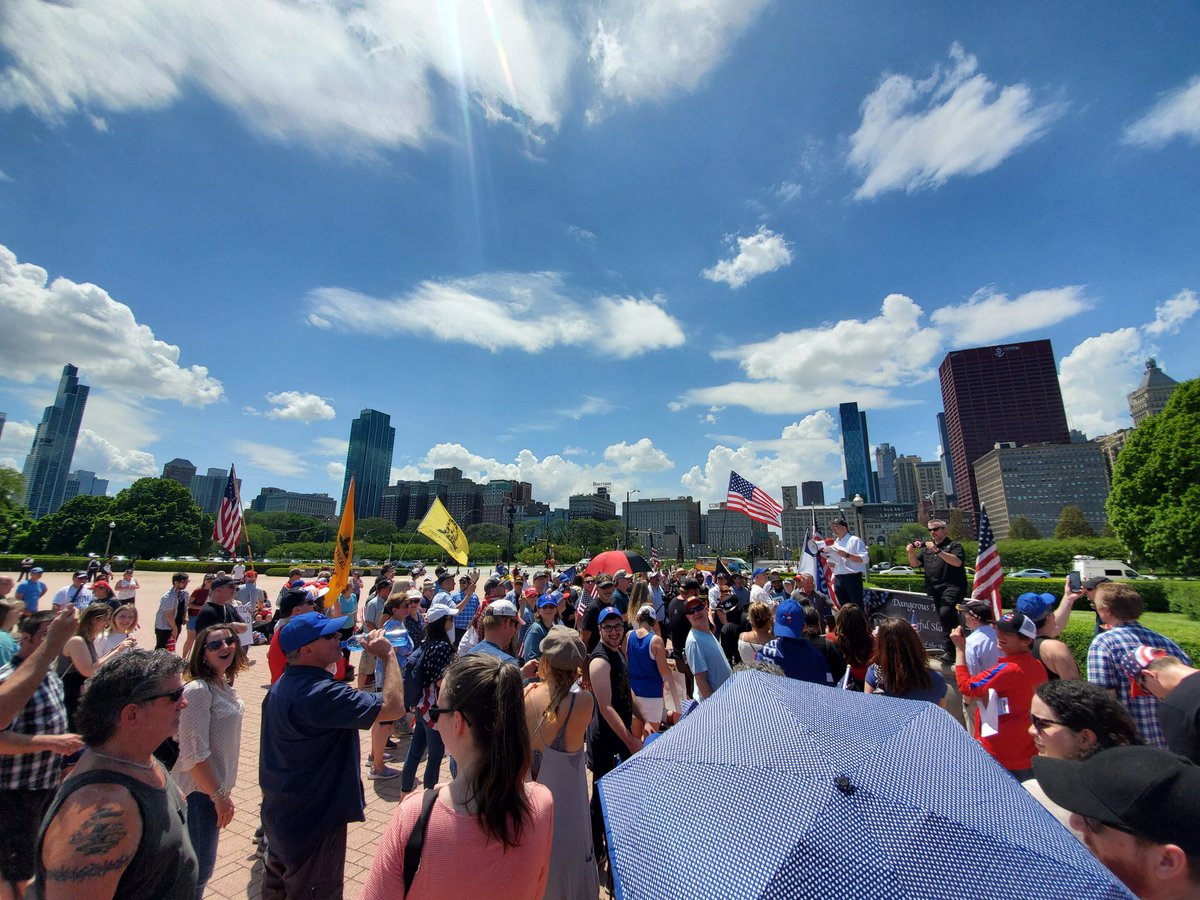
898,570
1031,573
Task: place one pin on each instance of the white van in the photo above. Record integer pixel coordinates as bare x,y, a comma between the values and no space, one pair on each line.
1090,567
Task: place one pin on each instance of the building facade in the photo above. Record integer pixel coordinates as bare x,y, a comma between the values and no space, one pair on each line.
1110,446
48,465
659,514
1037,481
791,497
732,531
1149,398
180,470
407,501
501,493
273,499
369,461
856,451
1005,393
209,488
83,483
812,493
592,506
885,472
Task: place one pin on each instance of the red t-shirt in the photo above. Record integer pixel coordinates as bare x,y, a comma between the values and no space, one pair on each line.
1014,679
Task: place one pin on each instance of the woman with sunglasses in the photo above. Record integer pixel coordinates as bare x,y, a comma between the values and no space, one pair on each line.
1073,720
395,613
80,661
436,653
488,815
210,733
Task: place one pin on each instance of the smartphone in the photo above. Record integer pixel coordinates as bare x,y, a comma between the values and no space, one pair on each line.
1074,582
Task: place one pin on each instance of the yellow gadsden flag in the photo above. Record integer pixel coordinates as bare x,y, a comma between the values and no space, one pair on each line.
343,553
444,531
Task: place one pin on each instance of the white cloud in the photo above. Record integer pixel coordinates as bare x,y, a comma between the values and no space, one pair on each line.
339,76
1176,114
500,311
640,456
591,406
569,450
918,134
331,446
807,450
989,316
787,191
581,234
649,51
1170,315
298,406
758,253
800,371
15,443
88,325
277,460
336,471
100,455
1100,371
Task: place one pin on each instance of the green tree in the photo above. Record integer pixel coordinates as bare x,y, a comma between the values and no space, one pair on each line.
1072,524
285,526
1154,503
155,517
68,529
14,517
375,531
486,532
905,535
1022,529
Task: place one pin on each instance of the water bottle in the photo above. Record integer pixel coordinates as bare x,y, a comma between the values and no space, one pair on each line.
397,636
913,622
353,645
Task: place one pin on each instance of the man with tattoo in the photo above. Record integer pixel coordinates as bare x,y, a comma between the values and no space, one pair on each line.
32,745
118,826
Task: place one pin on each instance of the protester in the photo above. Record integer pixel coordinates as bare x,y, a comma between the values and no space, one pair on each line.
728,621
80,661
33,743
589,630
982,650
1178,690
23,682
752,642
309,756
127,587
395,612
1013,679
901,667
1073,720
943,563
558,716
196,601
74,594
219,608
814,633
806,594
707,661
646,656
1047,649
759,592
103,594
791,652
500,626
1136,808
608,673
371,619
680,626
488,816
547,618
210,735
436,654
122,625
850,559
117,827
466,601
10,613
291,603
852,636
165,630
1119,607
622,584
31,591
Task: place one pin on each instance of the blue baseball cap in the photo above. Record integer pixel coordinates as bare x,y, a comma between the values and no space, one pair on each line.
789,619
607,613
547,600
303,630
1036,606
758,572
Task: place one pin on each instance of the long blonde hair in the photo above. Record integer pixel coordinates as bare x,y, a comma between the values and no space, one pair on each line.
559,683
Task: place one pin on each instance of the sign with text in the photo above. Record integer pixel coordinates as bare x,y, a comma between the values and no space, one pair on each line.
910,606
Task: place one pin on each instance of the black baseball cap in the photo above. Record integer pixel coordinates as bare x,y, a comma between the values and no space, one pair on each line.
1095,581
1149,792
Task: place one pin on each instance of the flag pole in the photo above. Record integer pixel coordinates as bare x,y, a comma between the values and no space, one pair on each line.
237,492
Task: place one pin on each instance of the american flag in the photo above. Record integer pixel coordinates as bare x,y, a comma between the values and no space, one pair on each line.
227,530
653,554
988,573
822,567
753,501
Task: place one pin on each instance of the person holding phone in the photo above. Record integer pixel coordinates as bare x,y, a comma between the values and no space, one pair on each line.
942,560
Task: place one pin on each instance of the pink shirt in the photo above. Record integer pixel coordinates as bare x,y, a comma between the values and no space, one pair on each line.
458,860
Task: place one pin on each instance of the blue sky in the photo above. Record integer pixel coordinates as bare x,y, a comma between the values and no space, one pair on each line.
577,242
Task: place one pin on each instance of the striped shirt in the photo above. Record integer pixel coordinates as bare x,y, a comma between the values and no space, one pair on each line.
45,713
1107,666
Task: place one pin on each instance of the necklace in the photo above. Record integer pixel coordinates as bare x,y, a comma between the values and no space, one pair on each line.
129,762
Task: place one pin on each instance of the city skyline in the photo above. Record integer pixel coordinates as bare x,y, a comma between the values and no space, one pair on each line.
555,254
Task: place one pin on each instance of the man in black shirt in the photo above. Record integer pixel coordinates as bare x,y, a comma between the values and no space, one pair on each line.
589,631
945,576
219,610
677,620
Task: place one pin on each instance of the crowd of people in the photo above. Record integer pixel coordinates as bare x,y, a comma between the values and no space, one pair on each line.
118,764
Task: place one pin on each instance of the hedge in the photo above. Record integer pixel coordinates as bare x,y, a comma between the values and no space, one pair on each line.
1155,593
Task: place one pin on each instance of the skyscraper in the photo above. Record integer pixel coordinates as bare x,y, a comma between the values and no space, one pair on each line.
1152,394
944,455
209,488
999,394
812,493
885,457
369,461
790,497
48,464
180,470
856,448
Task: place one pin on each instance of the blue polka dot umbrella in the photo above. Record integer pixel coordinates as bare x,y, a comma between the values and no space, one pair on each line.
775,788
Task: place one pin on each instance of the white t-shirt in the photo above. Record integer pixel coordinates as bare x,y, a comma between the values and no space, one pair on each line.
759,594
126,589
853,545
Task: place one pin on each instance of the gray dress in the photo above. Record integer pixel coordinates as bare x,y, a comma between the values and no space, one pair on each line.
573,874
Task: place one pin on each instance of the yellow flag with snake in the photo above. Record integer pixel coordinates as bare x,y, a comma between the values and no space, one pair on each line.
440,528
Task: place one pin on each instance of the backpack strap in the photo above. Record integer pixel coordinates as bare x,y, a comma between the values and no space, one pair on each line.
416,839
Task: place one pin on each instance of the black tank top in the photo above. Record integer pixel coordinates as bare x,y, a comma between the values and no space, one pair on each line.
1036,650
164,865
622,697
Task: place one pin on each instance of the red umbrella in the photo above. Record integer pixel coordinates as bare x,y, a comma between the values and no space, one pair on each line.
610,561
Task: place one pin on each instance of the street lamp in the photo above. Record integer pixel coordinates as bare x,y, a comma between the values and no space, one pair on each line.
108,545
628,494
858,514
12,536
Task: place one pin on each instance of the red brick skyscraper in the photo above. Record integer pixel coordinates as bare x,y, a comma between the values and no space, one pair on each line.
993,394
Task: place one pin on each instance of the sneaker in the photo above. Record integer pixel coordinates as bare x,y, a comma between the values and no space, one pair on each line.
385,774
387,757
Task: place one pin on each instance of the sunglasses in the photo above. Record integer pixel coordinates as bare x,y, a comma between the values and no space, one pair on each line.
607,587
693,610
1040,725
173,696
218,643
1095,826
436,712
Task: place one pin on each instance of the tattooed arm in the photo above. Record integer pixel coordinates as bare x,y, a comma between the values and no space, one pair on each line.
90,842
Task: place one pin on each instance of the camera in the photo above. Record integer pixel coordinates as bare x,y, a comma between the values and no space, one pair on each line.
918,545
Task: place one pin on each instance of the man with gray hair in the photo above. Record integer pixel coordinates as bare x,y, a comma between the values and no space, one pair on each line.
943,562
118,826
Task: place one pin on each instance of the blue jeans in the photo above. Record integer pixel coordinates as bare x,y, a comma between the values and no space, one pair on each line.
424,736
202,828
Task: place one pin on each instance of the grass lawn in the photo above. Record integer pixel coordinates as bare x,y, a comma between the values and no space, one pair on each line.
1179,628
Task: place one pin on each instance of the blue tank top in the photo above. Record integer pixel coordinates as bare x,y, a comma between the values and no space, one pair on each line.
644,678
